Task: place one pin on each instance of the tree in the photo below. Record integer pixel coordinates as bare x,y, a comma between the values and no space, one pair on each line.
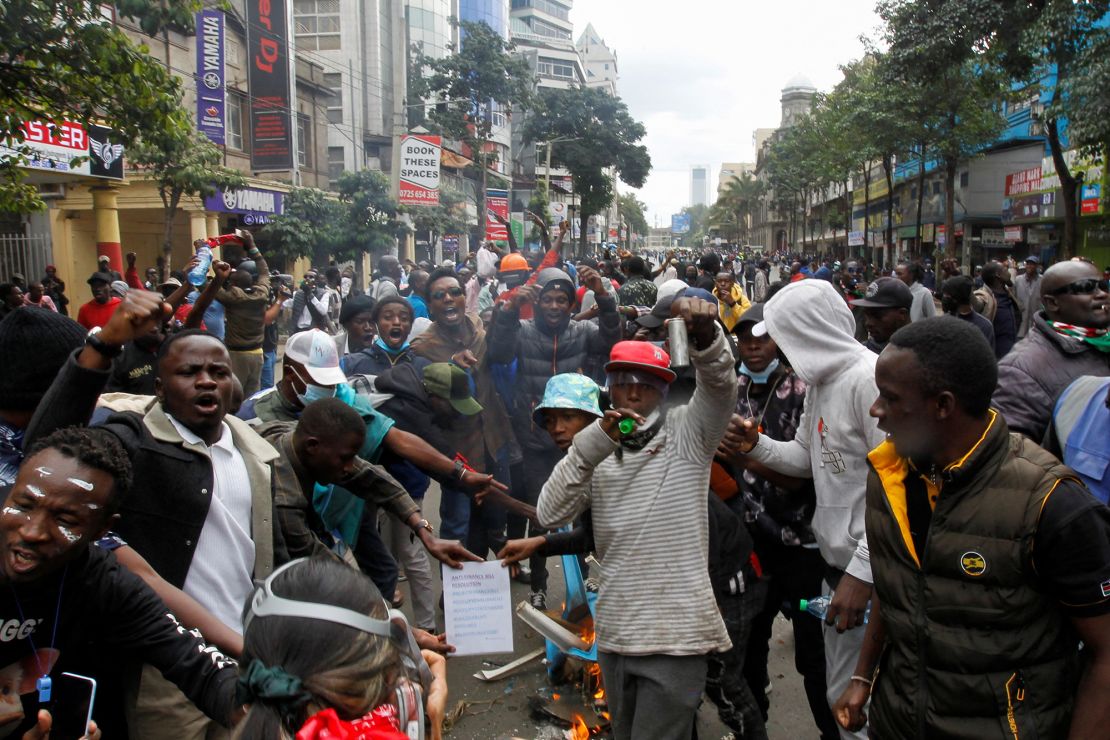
699,226
599,135
737,203
935,51
67,60
182,162
369,222
631,211
309,226
470,85
1066,42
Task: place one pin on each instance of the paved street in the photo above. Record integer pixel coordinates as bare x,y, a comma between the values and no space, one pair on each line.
500,710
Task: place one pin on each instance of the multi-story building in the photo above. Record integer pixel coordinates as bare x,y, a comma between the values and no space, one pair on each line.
733,171
699,185
598,61
273,130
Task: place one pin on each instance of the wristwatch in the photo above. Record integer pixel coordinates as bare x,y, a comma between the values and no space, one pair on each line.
459,472
109,351
425,524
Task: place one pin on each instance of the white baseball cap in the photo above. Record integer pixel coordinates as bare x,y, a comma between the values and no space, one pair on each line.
316,350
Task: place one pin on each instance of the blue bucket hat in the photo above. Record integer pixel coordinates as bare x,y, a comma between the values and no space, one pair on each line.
569,391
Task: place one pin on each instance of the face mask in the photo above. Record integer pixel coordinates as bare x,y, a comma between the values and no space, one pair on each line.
762,377
315,393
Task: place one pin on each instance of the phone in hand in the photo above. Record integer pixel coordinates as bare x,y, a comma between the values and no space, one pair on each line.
72,707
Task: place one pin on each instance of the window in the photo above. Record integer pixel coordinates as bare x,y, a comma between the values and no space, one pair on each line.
336,163
304,141
233,50
555,68
963,179
334,81
936,187
316,24
235,121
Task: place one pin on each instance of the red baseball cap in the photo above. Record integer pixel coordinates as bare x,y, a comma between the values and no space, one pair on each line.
631,355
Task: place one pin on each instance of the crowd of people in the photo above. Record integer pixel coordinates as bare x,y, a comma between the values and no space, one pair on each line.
215,489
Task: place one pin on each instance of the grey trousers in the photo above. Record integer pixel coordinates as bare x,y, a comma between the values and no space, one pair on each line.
841,654
410,554
653,697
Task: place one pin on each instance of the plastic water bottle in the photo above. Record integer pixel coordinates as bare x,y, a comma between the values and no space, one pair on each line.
818,606
199,274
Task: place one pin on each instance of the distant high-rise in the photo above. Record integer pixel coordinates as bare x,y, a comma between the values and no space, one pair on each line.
699,185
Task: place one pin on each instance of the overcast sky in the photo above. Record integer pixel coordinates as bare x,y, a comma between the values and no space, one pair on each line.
702,75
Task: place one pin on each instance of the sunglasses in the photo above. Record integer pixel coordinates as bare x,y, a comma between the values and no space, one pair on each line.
439,295
1083,287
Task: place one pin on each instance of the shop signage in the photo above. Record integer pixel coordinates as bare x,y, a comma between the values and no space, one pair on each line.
268,79
1012,234
210,74
1024,182
254,205
419,177
52,147
497,202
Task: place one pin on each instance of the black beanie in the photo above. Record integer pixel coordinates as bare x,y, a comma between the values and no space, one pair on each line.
34,344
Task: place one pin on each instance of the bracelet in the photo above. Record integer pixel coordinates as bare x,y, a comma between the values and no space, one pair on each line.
861,678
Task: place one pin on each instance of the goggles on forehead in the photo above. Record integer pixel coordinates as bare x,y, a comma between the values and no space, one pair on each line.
265,603
636,377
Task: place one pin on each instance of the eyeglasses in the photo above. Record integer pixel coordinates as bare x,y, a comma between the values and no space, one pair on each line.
439,295
1083,287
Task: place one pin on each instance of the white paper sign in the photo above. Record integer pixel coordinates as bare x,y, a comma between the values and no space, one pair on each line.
478,608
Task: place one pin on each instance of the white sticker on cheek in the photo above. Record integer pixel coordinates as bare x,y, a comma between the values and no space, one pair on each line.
34,491
70,536
44,472
92,507
81,483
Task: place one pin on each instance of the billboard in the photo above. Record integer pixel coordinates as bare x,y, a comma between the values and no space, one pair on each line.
419,177
210,74
268,79
680,223
52,147
497,201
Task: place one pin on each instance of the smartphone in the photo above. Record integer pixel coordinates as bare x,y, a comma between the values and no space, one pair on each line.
72,707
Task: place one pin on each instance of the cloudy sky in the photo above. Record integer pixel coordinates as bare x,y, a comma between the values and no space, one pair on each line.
702,75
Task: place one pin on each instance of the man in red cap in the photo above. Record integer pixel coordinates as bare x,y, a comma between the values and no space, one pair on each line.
646,484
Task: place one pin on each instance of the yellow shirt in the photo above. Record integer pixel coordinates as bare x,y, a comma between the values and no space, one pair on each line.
731,314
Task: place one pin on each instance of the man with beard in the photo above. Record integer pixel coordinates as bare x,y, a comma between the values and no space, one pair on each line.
542,347
1068,339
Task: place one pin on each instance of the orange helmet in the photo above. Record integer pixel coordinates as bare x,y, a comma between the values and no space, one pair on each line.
514,262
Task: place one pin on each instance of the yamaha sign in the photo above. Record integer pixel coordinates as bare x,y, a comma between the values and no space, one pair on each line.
254,205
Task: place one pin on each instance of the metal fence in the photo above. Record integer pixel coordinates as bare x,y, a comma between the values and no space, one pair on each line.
28,255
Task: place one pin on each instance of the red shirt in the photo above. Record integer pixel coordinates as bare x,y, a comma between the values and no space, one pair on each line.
94,314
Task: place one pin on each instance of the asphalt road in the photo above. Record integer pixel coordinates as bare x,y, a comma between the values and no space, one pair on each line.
501,710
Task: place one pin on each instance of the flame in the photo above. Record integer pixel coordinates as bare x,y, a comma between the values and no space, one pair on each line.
578,729
586,631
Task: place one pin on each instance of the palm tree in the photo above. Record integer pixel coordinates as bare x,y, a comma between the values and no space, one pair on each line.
736,203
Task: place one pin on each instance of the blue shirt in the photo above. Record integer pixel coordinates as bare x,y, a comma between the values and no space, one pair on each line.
419,307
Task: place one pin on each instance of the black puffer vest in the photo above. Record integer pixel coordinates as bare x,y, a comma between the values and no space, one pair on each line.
974,648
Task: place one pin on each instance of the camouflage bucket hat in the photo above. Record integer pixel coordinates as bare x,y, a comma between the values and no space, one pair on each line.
569,391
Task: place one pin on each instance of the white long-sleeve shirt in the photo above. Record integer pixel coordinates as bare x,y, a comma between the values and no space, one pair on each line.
650,520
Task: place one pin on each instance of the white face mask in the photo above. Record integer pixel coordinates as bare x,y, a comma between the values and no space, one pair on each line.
760,377
313,392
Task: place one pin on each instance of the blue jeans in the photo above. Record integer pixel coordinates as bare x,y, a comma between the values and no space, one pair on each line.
454,514
269,360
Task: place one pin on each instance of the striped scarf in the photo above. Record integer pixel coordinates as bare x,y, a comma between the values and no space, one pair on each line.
1097,338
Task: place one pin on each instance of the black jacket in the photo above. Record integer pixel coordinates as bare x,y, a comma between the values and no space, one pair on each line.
106,616
164,513
540,352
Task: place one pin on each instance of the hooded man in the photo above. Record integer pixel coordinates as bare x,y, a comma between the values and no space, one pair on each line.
544,346
814,328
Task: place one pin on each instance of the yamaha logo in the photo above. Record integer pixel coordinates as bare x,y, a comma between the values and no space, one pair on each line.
211,80
231,199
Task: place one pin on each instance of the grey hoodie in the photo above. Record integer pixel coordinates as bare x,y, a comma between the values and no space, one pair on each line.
814,328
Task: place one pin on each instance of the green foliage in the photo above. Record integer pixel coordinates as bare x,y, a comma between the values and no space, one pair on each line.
632,213
699,226
182,162
370,215
446,218
66,60
735,205
538,204
600,135
309,226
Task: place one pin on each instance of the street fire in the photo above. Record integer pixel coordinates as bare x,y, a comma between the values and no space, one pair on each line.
578,729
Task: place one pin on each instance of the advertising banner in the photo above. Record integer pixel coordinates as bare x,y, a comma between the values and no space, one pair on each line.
1024,182
497,201
517,224
557,213
254,205
1012,234
268,80
210,74
680,223
1090,198
419,177
52,147
855,238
